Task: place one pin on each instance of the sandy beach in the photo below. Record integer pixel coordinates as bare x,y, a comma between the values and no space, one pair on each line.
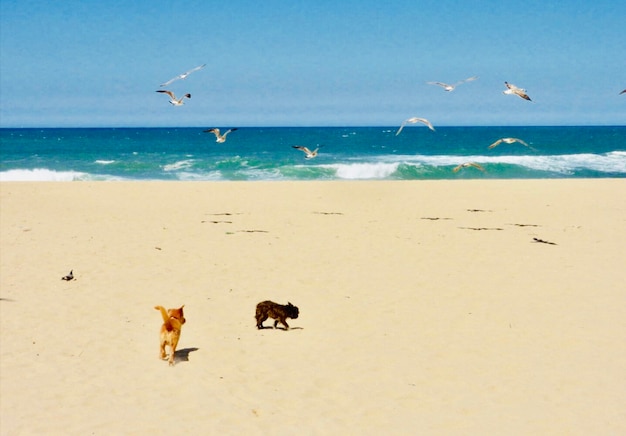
426,307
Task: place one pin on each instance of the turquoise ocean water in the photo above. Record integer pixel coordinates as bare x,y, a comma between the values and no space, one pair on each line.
348,153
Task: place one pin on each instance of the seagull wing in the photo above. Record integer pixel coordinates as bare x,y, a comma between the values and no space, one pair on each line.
475,165
182,76
169,81
303,149
426,122
193,70
468,164
521,142
469,79
170,93
624,91
457,168
401,127
229,130
495,144
215,131
443,85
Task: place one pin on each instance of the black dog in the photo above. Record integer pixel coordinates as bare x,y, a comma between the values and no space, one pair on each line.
278,312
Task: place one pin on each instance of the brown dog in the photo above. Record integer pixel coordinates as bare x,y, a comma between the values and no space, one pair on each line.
173,320
278,312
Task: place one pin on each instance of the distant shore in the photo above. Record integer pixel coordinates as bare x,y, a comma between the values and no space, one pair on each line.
426,307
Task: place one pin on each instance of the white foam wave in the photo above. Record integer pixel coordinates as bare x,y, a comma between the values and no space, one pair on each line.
180,165
46,175
198,177
41,175
104,162
357,171
612,162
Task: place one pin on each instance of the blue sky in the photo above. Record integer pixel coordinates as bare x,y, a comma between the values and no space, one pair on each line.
75,63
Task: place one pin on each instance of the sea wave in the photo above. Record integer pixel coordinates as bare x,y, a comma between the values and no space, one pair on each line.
180,165
41,175
46,175
357,171
611,162
379,167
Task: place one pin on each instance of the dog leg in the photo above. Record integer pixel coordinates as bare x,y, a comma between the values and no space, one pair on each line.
162,354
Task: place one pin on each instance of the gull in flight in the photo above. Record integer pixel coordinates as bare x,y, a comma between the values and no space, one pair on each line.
467,165
173,100
308,153
508,141
414,120
220,138
512,89
448,87
183,76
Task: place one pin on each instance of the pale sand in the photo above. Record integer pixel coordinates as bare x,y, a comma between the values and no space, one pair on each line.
409,324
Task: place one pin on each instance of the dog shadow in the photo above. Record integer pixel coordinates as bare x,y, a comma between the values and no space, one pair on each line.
183,354
269,327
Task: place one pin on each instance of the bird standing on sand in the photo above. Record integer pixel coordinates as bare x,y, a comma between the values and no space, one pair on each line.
414,120
68,277
448,87
467,165
220,138
308,153
514,90
508,141
173,100
183,76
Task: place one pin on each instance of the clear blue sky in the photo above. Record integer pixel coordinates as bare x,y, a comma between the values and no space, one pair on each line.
75,63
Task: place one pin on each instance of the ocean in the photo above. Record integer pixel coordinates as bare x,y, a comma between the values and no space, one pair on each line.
346,153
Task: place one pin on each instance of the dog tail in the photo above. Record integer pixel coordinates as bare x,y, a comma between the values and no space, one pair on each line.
164,314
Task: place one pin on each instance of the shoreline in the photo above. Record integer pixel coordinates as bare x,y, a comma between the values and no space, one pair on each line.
425,306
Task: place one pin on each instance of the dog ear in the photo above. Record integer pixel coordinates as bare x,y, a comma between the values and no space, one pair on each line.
289,303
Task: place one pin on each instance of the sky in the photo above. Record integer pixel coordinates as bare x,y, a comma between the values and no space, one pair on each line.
91,63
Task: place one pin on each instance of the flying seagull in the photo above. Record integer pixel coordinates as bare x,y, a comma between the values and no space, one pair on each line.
220,138
183,76
448,87
308,153
413,121
467,165
68,277
508,141
173,100
512,89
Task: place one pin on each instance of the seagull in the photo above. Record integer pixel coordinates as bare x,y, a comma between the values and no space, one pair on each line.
623,92
466,165
68,277
512,89
508,141
183,76
220,138
309,154
175,101
413,121
448,87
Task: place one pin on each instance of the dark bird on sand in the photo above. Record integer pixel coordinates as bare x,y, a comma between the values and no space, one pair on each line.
68,277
